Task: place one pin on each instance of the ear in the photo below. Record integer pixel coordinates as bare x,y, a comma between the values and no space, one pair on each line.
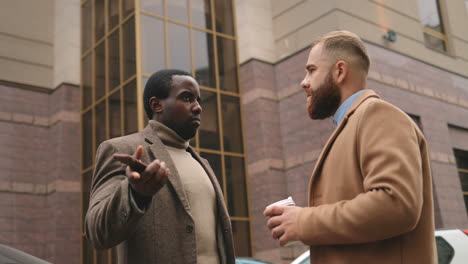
341,71
156,105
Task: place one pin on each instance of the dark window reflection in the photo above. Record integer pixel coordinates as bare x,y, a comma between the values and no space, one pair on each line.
227,65
201,13
114,115
87,140
127,7
100,123
86,188
434,43
232,129
129,49
88,254
130,108
114,62
208,131
99,19
113,13
215,163
153,6
224,17
179,47
236,186
241,232
152,44
100,71
86,81
86,25
177,9
203,54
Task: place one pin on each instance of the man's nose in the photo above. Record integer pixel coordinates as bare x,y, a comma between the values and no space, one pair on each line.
197,109
305,84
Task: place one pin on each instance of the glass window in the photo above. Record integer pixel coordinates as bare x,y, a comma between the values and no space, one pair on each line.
232,127
215,163
88,254
209,131
114,60
179,47
127,7
227,65
431,19
86,25
152,44
461,157
445,252
130,108
100,71
201,13
177,9
86,187
86,71
113,13
224,17
115,129
100,117
153,6
99,19
203,55
87,140
434,43
236,187
129,49
241,233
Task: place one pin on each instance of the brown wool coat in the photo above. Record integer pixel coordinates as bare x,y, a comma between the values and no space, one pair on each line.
370,194
164,232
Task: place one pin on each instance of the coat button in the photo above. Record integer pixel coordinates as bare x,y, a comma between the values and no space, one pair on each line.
189,229
225,230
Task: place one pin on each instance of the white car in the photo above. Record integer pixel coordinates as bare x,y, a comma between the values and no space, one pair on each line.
452,247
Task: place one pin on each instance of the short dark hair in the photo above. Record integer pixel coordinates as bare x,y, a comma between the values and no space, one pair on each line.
159,85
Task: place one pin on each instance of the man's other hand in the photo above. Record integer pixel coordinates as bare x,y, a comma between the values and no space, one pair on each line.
283,222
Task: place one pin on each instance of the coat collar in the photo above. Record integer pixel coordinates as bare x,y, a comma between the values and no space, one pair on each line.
367,94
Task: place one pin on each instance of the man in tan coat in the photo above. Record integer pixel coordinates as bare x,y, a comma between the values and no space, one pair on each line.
173,210
370,195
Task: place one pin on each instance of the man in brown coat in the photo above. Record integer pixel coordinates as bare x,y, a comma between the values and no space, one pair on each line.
370,195
173,210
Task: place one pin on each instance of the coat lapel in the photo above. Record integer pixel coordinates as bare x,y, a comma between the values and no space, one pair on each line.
318,166
160,152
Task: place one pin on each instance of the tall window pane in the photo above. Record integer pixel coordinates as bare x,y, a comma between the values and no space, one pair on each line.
179,47
153,6
87,140
201,13
86,84
115,115
86,25
430,15
130,108
232,127
224,17
209,132
177,9
100,76
227,65
241,232
203,55
113,13
236,186
127,7
152,44
100,117
99,19
215,163
114,60
129,48
461,157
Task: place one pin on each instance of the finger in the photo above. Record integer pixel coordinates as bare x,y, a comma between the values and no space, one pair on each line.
283,240
138,152
151,170
273,210
273,222
133,176
277,233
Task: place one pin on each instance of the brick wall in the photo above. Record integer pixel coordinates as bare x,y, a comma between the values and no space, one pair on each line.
280,165
40,179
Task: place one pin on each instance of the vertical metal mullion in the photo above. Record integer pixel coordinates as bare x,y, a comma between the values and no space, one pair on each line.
138,61
81,137
121,66
107,66
166,36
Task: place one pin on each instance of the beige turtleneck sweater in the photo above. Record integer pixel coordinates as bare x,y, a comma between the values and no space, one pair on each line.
199,190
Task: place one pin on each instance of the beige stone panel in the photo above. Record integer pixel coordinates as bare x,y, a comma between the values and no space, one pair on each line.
460,48
384,17
25,50
31,19
405,7
279,6
15,71
300,16
455,16
304,36
255,30
407,46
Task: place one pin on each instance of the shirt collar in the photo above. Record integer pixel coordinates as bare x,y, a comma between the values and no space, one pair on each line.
341,112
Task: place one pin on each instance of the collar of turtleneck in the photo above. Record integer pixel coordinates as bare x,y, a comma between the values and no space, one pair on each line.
168,136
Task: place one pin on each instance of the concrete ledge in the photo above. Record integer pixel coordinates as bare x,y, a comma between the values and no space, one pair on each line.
40,121
40,189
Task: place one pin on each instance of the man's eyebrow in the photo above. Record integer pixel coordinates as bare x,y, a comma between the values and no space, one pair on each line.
310,67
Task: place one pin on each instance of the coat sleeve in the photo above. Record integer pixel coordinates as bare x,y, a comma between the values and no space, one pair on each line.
391,202
112,215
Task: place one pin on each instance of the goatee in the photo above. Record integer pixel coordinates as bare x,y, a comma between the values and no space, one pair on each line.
324,101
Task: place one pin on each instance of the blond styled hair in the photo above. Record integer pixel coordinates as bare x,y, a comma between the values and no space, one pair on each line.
346,46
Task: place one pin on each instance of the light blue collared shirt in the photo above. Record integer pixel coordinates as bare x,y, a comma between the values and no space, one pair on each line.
340,113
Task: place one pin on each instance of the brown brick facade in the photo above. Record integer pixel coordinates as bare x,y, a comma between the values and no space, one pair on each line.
40,179
283,143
